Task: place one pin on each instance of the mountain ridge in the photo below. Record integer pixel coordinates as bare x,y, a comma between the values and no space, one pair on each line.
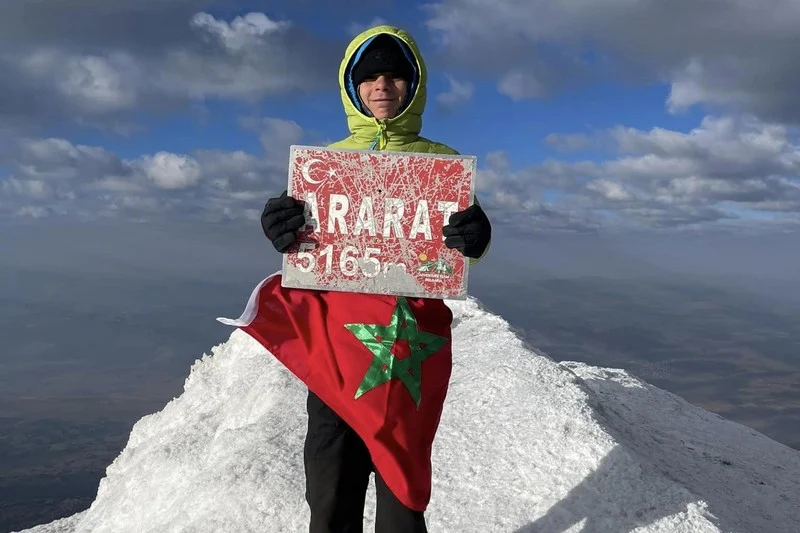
525,445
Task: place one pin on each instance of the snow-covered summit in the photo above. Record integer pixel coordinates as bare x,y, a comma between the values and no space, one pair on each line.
526,445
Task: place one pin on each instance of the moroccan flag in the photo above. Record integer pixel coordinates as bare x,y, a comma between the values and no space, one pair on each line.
381,362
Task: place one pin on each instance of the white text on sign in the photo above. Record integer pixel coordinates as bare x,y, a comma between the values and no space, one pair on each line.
391,223
350,260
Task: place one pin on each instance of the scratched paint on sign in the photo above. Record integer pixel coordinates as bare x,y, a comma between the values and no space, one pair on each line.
374,221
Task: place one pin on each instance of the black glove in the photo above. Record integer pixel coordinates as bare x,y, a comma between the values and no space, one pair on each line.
469,231
281,219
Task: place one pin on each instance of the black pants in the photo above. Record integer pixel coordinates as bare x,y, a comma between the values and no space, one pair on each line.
338,466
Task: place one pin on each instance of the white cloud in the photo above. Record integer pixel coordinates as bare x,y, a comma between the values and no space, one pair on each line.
723,169
225,170
568,141
99,84
716,173
171,171
612,190
458,93
278,134
719,147
354,28
62,177
116,184
88,84
242,33
32,212
520,85
731,54
32,188
97,79
54,159
248,58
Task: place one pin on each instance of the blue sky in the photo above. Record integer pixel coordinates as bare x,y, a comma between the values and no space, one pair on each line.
588,118
516,127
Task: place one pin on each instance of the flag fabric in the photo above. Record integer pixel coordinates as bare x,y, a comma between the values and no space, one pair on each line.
381,362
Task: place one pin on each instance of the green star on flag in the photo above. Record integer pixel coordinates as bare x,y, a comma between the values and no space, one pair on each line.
385,365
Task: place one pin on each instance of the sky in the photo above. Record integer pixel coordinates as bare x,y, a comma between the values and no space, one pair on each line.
668,131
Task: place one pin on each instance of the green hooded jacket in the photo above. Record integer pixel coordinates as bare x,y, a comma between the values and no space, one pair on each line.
400,133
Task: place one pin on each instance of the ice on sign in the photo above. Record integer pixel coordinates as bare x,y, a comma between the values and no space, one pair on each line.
374,221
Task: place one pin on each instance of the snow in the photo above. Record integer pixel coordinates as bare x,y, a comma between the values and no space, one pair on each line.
526,445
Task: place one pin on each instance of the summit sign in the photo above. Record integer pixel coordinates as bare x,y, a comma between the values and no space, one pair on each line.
374,221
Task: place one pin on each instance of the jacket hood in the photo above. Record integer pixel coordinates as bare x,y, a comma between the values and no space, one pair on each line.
406,126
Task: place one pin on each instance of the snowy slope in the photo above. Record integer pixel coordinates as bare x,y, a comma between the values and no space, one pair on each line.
526,445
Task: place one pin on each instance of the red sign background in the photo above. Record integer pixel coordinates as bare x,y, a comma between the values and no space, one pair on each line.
374,221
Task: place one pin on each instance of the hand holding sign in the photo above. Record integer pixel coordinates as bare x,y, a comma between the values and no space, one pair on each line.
281,219
469,231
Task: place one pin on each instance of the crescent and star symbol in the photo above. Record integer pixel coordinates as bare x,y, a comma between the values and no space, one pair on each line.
305,171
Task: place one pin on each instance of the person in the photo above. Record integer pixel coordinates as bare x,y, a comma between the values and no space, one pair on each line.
383,84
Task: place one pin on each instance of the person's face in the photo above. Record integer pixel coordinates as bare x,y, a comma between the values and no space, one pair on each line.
383,94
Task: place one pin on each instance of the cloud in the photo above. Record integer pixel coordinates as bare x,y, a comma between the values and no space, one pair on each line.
144,27
518,200
32,212
519,85
730,54
93,84
170,171
151,57
58,160
354,28
458,94
31,188
276,135
54,176
250,57
727,171
242,33
567,142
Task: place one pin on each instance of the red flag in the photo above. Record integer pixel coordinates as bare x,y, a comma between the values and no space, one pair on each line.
381,362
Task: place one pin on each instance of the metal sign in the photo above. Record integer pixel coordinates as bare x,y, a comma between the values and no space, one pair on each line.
374,221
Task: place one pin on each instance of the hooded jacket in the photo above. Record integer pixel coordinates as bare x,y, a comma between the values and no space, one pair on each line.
402,132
